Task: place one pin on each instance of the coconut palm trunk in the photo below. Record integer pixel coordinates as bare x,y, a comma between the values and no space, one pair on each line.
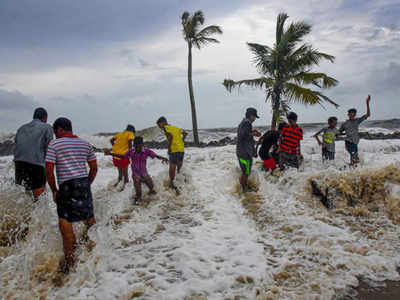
194,36
192,101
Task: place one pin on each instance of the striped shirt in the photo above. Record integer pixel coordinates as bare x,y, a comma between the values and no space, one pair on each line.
139,160
290,139
70,155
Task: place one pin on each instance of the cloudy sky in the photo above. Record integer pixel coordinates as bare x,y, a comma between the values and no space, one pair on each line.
107,63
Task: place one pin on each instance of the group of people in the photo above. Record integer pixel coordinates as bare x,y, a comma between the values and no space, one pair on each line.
282,147
37,155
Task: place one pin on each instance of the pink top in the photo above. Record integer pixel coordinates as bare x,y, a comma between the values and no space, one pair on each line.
138,161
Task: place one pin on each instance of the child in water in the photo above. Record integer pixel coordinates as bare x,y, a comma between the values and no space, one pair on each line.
329,134
138,156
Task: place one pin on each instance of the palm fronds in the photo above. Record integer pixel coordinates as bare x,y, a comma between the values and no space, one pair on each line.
262,82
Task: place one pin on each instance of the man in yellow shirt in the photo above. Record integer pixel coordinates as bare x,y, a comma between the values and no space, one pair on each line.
176,147
121,143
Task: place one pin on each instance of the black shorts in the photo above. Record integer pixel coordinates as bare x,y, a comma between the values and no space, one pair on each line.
176,157
74,200
327,155
286,159
31,176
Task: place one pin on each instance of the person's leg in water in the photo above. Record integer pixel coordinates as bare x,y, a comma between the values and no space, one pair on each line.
138,189
245,166
172,171
125,176
69,243
179,165
89,223
149,183
119,176
244,182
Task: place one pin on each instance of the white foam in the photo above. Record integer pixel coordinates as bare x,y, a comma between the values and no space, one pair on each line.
200,242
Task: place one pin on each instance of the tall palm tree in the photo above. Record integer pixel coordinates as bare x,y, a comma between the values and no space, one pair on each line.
194,36
286,70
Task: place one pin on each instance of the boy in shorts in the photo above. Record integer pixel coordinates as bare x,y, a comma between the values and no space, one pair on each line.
138,156
70,155
176,147
121,143
245,147
350,128
329,134
289,147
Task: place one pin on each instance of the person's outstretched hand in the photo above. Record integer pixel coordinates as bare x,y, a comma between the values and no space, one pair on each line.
368,99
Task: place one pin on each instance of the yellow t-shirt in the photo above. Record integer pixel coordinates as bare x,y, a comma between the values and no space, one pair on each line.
121,142
177,144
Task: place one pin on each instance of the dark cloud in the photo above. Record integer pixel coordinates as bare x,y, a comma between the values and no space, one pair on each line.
15,100
43,34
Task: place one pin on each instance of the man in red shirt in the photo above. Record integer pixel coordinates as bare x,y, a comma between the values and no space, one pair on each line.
289,148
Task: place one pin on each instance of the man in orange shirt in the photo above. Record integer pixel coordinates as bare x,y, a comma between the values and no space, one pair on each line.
122,143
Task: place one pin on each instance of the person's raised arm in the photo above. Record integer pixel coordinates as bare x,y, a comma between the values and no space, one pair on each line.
368,100
51,180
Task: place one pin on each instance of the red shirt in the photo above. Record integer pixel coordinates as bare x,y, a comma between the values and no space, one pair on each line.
290,139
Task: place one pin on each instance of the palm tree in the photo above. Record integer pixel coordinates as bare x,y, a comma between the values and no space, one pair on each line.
194,36
286,70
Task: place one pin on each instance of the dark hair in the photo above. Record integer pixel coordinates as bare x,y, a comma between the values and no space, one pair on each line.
161,120
138,141
62,123
40,113
292,116
352,110
282,125
130,128
332,119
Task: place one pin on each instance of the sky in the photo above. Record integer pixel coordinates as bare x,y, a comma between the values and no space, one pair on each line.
105,64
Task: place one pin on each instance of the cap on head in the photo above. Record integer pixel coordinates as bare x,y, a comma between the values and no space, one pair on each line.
292,116
62,123
138,141
352,110
251,111
282,125
40,113
130,128
161,120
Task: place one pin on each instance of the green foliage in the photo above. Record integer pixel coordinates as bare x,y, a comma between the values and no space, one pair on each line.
192,32
286,69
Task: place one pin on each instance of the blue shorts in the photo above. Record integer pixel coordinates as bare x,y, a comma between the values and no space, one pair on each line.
353,150
74,200
327,155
